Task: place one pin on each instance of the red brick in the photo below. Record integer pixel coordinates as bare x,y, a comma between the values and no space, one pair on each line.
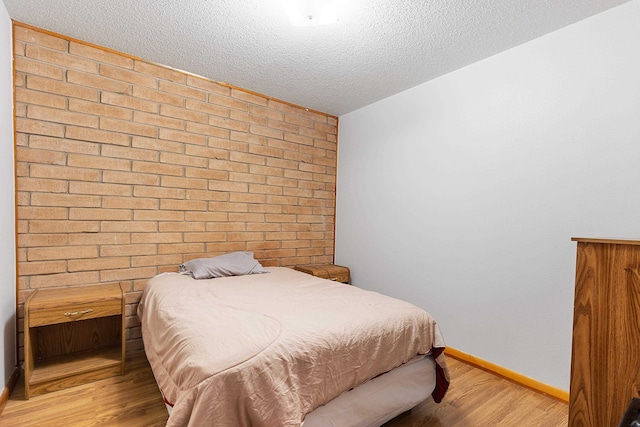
130,178
28,66
98,264
226,101
60,58
206,216
137,238
243,116
153,167
238,187
182,90
249,97
297,120
61,253
207,130
182,248
126,250
94,162
129,153
99,239
208,85
155,95
33,36
159,192
186,183
266,209
183,114
178,135
298,139
42,268
99,55
33,155
159,71
62,146
205,107
226,123
248,138
128,76
61,88
247,177
82,134
64,279
128,227
99,109
127,274
226,226
227,207
206,195
128,127
180,159
156,260
128,101
36,212
98,82
129,203
183,205
206,174
156,215
65,200
169,227
156,120
63,172
38,127
59,116
100,214
217,164
44,185
205,237
156,144
265,151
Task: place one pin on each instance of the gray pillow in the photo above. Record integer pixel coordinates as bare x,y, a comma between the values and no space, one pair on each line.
231,264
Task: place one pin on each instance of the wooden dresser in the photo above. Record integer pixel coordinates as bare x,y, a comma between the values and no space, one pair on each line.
605,363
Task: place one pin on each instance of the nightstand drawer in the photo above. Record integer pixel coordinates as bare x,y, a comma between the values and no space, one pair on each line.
72,336
72,313
333,272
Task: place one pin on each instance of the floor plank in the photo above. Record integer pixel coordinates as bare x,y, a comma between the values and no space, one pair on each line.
479,398
476,398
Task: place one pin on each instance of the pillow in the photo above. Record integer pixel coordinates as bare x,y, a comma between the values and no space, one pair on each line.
231,264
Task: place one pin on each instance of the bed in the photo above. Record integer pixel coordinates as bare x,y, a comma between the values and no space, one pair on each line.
284,348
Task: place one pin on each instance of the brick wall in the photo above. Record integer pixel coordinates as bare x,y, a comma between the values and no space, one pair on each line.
125,169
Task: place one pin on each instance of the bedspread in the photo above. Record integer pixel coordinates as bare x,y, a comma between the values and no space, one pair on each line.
266,349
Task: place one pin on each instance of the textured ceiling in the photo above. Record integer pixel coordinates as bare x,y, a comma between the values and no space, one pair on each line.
378,48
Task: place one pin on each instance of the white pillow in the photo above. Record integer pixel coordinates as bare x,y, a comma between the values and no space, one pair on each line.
231,264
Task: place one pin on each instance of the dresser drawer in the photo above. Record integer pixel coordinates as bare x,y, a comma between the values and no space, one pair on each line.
75,312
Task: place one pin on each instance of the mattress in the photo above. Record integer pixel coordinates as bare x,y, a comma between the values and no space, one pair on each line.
275,348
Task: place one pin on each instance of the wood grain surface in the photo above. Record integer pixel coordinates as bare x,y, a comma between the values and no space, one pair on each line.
605,371
476,398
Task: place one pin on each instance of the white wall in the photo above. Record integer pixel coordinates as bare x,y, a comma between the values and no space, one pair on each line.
7,197
461,194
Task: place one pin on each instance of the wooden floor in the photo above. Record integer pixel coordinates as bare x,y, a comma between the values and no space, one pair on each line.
475,398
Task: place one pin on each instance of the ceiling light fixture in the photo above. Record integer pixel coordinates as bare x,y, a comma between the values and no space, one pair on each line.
306,13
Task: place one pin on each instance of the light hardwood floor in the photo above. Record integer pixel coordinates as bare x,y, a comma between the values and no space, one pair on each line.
475,398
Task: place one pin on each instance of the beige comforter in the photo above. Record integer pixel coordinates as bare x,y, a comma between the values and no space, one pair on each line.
266,349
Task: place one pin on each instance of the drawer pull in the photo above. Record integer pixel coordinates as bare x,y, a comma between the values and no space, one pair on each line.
78,313
333,278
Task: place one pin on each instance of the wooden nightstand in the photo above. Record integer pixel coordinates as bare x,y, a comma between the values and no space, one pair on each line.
333,272
72,336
